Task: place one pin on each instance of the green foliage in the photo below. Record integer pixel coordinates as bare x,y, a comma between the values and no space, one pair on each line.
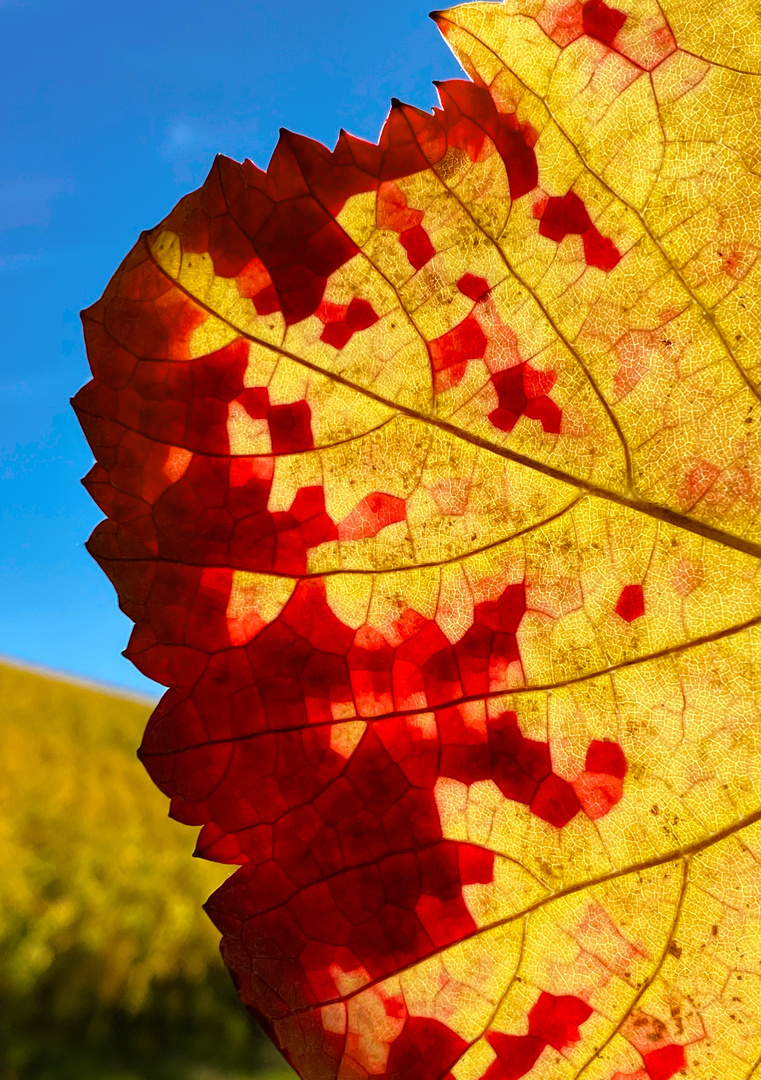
109,968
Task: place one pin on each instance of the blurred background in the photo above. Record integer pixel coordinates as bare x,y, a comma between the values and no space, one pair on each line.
109,969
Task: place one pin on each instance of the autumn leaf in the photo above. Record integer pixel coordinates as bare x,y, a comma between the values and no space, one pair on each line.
432,481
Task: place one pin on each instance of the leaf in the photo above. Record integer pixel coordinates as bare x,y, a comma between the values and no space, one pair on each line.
432,479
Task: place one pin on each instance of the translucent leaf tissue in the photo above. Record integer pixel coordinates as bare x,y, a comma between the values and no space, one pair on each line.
432,481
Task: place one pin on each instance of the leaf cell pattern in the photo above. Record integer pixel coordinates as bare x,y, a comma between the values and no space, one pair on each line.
431,480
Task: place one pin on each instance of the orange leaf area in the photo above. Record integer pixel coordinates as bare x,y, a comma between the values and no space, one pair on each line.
431,472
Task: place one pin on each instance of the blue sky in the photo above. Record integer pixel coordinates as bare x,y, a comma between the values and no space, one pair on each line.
110,113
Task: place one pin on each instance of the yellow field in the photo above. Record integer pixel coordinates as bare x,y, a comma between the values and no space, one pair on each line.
101,927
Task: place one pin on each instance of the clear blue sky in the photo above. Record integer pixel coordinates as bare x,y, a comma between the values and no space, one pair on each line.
110,113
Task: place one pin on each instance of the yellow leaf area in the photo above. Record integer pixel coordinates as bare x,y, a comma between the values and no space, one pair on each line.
553,392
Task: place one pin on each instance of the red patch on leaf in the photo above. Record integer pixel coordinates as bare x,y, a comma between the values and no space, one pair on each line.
394,213
606,757
521,768
183,404
451,352
524,391
553,1021
362,876
344,859
426,1049
601,786
601,22
561,216
631,603
556,1020
216,514
476,288
515,143
342,321
663,1063
375,512
255,284
516,1055
563,26
598,793
290,425
418,246
266,302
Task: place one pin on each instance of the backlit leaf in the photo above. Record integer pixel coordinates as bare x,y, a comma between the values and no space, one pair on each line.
432,481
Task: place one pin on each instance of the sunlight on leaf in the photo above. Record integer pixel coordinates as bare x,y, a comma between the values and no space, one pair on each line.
431,473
